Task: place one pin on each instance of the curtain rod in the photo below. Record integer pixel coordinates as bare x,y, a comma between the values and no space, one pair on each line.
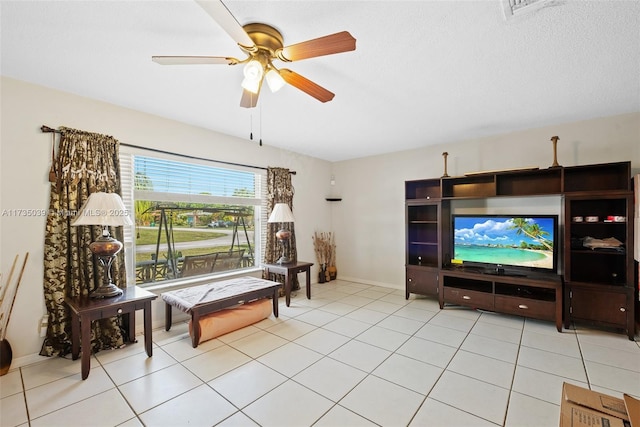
47,129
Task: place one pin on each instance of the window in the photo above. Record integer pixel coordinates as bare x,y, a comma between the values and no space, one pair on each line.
191,218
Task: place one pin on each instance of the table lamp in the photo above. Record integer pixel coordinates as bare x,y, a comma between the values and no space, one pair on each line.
281,214
104,209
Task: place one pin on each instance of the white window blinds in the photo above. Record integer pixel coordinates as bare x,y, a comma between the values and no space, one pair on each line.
176,181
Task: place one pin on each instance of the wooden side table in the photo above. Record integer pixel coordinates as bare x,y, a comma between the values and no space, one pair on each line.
85,309
288,270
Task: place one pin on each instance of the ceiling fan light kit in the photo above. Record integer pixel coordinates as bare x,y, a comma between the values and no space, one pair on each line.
274,80
253,70
251,85
264,44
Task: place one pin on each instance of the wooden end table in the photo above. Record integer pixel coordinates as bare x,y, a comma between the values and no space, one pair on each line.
288,270
85,309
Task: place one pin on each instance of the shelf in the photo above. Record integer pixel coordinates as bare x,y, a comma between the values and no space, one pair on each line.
599,286
589,223
523,291
424,264
599,177
607,268
422,189
475,186
597,252
540,182
333,199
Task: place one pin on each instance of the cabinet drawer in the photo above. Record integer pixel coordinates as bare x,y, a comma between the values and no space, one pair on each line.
116,310
422,281
469,298
544,310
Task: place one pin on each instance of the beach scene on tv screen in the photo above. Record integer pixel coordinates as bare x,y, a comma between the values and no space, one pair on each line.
510,241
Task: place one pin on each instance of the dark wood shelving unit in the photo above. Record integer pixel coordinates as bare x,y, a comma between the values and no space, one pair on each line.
597,286
423,236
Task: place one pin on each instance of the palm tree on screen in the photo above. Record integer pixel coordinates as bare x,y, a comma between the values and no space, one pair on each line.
533,230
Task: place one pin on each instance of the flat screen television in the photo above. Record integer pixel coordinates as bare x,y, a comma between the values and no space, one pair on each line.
506,243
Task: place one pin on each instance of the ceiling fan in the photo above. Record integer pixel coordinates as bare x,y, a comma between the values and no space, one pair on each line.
263,45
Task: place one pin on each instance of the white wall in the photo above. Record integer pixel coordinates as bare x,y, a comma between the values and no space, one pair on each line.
25,159
368,222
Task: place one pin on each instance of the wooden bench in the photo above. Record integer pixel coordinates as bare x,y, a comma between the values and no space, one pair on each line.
199,301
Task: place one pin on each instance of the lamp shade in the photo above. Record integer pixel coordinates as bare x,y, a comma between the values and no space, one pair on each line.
281,213
253,70
274,80
252,86
103,209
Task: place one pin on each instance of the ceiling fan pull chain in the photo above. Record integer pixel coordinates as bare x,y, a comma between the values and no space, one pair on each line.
251,127
261,124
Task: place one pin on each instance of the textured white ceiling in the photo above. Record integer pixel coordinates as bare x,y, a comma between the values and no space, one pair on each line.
424,72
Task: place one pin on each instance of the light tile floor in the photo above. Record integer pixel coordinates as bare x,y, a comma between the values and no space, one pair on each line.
353,355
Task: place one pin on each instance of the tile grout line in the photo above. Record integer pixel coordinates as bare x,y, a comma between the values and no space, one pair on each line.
513,375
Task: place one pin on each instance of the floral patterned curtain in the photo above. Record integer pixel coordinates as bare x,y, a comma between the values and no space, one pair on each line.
86,163
280,190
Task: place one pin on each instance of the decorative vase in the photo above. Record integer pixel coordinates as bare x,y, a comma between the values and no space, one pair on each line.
555,164
322,274
6,356
333,272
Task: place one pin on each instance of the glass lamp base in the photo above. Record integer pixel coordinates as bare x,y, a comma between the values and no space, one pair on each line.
283,236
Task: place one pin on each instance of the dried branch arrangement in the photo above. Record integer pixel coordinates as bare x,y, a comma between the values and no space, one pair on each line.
325,248
5,306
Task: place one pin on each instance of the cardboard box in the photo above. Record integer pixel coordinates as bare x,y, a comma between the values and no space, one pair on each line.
581,407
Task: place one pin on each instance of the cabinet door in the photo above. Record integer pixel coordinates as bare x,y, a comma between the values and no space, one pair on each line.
599,306
423,281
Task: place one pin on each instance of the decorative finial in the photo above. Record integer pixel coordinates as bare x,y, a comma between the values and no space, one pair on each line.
555,164
445,154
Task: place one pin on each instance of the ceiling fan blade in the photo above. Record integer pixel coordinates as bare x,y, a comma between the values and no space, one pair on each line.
306,85
190,60
249,99
219,12
327,45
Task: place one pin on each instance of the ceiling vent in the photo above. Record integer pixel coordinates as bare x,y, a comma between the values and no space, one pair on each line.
514,8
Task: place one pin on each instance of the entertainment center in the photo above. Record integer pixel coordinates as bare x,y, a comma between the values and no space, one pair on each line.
511,271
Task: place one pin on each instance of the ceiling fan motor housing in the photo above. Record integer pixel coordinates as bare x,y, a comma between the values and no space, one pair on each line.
264,36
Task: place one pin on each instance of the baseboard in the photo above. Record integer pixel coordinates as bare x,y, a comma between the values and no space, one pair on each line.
29,359
370,282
